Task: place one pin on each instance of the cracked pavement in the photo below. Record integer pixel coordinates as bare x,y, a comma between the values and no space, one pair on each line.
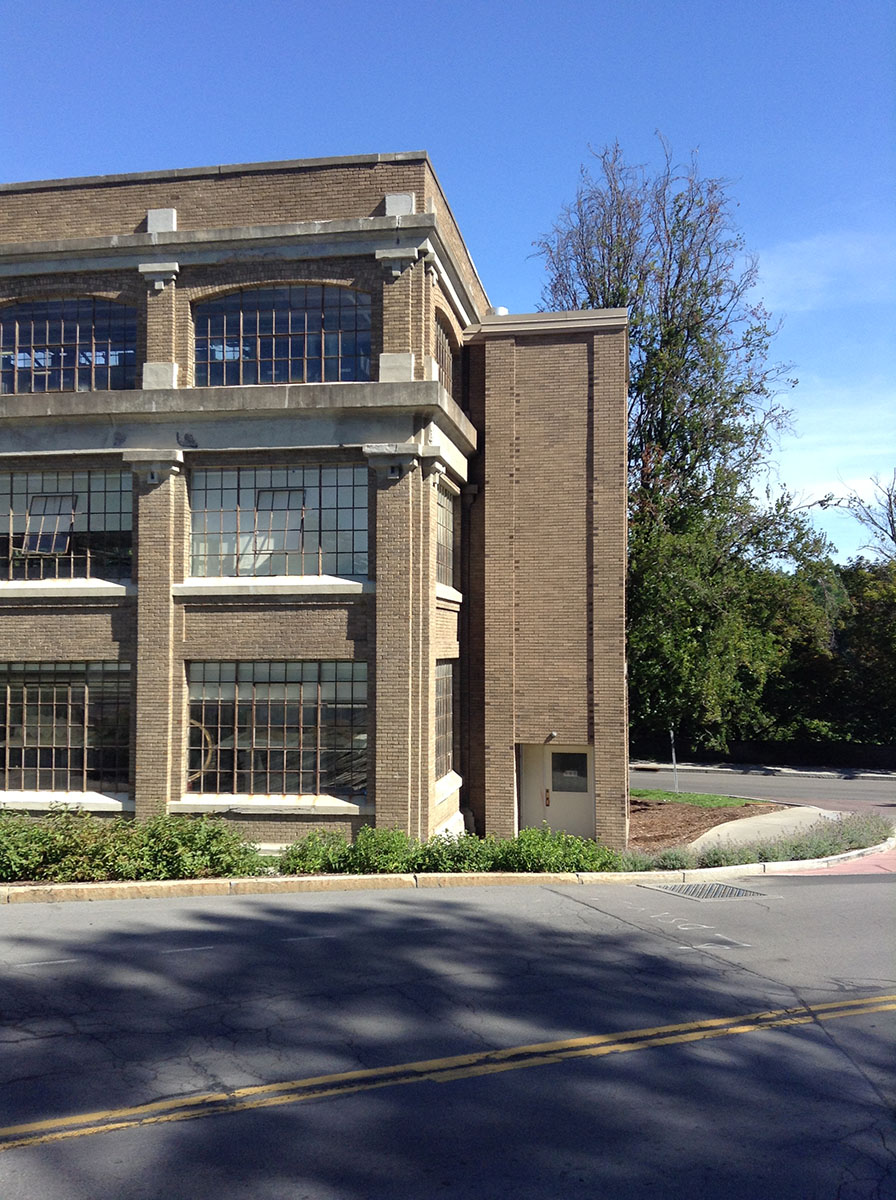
112,1004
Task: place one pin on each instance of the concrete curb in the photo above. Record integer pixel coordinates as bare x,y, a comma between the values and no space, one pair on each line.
57,893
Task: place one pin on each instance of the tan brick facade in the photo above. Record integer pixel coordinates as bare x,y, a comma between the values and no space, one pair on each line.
531,438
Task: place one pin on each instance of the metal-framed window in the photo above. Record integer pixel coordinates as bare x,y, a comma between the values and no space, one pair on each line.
309,520
65,726
444,718
446,357
82,345
65,524
278,728
299,333
446,506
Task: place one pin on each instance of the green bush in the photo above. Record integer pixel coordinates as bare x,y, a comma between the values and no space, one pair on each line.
449,854
389,851
69,846
317,853
675,858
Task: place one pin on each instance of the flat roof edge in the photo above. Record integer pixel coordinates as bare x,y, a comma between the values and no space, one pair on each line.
578,321
288,164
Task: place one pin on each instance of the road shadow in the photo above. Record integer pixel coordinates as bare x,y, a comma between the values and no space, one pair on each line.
314,984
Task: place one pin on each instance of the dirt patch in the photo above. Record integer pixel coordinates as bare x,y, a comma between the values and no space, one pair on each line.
657,824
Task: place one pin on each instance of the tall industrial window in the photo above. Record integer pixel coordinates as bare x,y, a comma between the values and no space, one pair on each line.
446,359
291,334
444,718
65,525
65,726
279,521
445,554
82,345
278,728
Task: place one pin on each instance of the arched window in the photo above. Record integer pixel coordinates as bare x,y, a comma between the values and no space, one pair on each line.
292,334
82,345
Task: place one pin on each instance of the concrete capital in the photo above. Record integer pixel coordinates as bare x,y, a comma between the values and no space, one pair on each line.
158,274
153,467
392,460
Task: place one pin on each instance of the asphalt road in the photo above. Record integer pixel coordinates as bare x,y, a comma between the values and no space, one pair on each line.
634,1062
845,791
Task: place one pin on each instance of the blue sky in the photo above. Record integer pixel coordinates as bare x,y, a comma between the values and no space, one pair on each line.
792,101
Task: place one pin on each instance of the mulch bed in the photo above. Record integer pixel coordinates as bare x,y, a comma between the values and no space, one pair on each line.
657,824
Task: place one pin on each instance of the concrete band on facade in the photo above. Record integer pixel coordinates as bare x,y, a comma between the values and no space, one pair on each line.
495,693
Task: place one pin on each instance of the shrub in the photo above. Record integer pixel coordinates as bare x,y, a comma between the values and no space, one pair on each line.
317,853
192,848
675,858
546,850
464,853
70,846
380,851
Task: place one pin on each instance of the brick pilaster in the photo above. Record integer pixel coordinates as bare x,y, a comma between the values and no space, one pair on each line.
159,689
498,502
398,672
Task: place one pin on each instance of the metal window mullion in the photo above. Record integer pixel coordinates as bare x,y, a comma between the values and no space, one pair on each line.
8,693
234,733
85,718
10,522
317,734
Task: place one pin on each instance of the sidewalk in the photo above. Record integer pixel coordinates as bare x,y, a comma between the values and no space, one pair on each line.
764,827
793,821
881,863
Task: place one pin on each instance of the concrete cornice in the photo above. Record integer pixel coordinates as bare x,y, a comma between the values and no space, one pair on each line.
426,398
403,239
179,173
194,245
536,324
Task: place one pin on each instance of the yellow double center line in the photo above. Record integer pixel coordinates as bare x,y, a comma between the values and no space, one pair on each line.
435,1070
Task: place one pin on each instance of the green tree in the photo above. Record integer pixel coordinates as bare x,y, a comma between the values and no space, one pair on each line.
866,653
722,563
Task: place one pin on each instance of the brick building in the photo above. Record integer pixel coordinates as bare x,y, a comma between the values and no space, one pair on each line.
298,530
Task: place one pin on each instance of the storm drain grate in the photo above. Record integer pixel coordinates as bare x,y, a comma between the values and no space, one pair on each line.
703,891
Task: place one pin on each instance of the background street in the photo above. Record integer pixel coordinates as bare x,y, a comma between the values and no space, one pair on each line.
847,789
108,1005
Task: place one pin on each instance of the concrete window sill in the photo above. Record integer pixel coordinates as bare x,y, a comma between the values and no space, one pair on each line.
93,802
315,806
275,585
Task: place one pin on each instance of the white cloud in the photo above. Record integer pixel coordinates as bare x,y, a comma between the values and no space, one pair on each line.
829,270
844,433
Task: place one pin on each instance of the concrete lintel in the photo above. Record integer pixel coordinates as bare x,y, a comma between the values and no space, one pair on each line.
537,324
